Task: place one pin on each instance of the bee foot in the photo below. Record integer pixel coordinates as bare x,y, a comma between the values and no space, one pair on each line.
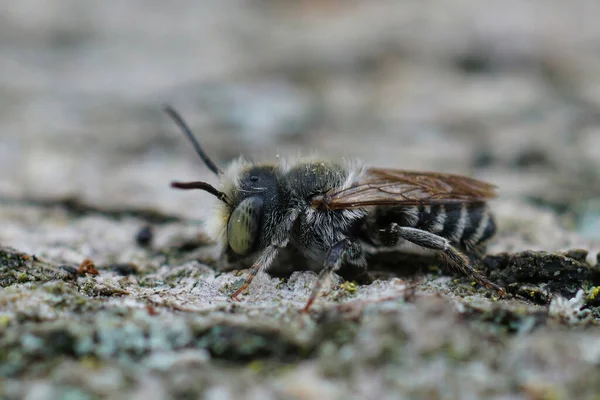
307,306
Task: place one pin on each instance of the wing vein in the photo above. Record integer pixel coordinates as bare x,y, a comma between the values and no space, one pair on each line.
402,187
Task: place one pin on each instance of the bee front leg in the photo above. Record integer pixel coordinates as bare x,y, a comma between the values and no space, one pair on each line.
453,258
346,250
268,254
263,262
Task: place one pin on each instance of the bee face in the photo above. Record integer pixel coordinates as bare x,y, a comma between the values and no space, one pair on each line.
244,224
257,187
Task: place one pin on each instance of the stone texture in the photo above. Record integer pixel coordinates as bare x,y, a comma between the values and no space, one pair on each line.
506,92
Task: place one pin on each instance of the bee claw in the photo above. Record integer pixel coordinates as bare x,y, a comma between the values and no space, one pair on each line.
235,294
492,286
310,301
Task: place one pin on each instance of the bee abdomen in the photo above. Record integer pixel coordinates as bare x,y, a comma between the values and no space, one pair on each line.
465,224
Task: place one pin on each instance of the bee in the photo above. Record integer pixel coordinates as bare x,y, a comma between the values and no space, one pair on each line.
333,212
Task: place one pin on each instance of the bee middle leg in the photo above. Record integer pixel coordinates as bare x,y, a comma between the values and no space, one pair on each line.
346,250
452,257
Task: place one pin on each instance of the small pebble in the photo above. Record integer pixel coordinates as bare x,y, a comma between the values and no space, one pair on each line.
72,271
124,269
87,266
533,157
144,236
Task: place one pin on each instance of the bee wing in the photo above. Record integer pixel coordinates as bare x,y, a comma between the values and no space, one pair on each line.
382,186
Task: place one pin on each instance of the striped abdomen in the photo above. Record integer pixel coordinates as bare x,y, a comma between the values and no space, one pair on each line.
465,225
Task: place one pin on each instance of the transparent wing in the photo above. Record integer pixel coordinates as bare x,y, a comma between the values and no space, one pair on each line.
399,187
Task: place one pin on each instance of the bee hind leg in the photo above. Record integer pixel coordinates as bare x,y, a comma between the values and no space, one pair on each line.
346,250
453,258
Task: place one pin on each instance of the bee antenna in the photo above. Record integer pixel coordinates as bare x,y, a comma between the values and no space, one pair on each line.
202,186
176,117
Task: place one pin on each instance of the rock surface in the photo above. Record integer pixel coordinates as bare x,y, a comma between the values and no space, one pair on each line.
505,92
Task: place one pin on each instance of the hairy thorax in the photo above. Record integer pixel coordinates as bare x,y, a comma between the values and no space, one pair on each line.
316,231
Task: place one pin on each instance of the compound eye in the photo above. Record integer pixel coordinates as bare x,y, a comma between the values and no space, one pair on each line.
244,225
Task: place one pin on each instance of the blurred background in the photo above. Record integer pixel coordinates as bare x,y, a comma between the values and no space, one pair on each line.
505,91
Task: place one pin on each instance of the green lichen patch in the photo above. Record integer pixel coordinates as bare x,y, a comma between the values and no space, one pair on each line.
239,343
561,273
126,335
17,267
509,318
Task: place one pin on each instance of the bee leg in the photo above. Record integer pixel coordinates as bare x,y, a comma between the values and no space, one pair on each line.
456,260
346,250
267,256
390,236
263,262
474,255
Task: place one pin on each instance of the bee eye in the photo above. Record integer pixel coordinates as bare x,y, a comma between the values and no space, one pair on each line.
254,178
244,224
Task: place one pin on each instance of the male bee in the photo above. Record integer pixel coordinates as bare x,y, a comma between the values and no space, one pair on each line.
331,212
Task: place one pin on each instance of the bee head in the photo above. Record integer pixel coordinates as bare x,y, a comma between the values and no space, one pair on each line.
250,191
256,195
